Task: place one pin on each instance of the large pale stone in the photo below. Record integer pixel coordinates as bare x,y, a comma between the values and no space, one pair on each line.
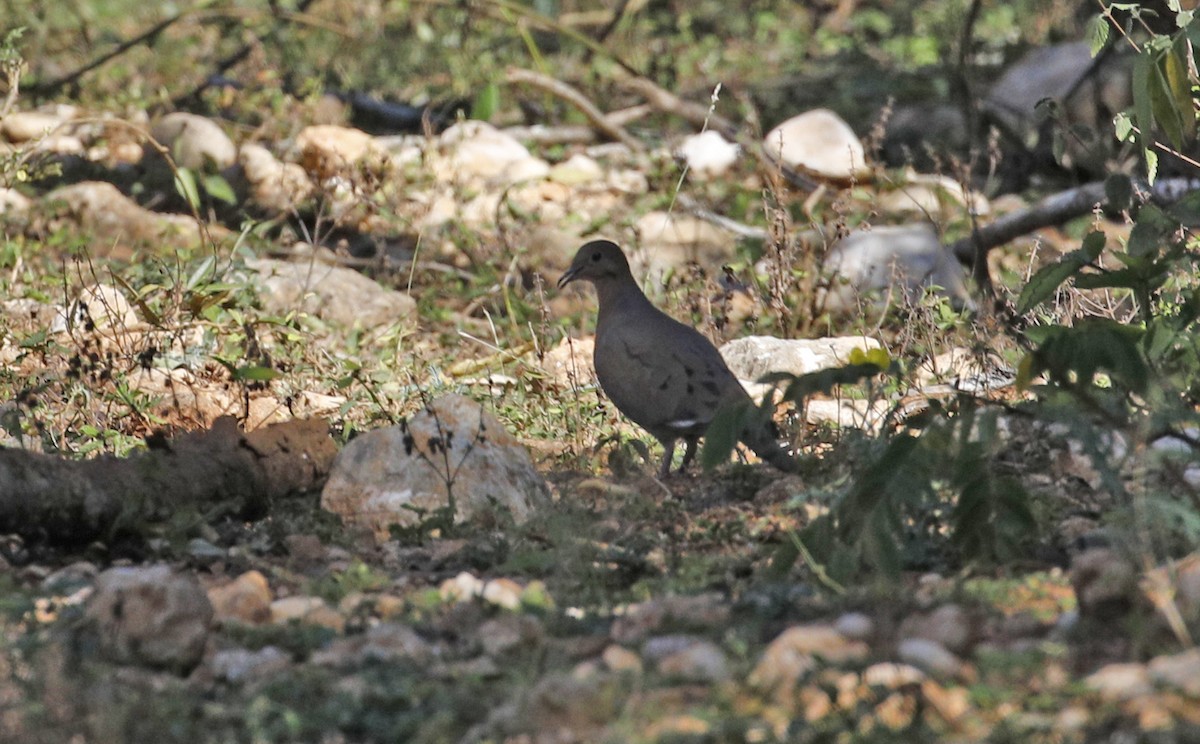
273,185
476,149
708,154
22,126
819,142
149,616
388,476
114,221
327,151
753,357
333,293
194,141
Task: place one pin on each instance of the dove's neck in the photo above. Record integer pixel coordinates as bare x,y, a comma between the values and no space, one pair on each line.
619,296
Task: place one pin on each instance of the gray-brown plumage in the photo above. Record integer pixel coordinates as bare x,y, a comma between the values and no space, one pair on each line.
663,374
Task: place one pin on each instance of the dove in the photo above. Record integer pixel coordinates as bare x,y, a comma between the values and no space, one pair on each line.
664,375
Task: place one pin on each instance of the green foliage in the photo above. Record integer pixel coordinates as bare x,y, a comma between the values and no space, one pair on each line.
918,493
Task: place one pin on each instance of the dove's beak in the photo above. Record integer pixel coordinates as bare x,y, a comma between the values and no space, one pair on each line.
568,277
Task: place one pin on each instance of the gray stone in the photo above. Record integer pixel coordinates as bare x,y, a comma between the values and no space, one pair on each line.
150,616
239,665
698,660
333,293
930,656
905,258
452,446
949,625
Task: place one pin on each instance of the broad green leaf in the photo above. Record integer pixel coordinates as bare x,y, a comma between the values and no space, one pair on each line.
1123,126
1097,33
822,381
723,433
1046,281
1144,77
1162,101
1025,372
1118,189
1186,211
1150,232
185,184
878,357
218,188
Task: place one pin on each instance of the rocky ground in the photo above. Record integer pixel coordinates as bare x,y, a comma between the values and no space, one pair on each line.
487,557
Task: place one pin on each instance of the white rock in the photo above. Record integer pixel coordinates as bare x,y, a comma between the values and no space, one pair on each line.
699,661
575,170
452,445
948,625
477,149
327,150
932,195
856,413
465,586
821,143
13,202
1181,671
114,220
753,357
239,665
795,651
274,185
856,626
98,306
194,141
23,126
708,154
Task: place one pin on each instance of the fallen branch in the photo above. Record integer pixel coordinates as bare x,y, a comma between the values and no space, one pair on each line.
219,471
1055,210
569,134
567,93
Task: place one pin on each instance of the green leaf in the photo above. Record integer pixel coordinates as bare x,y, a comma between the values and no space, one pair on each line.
1123,126
1118,190
1097,33
1150,233
1145,79
185,184
255,373
218,188
1186,211
822,381
1046,281
723,433
1179,64
1073,356
486,103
